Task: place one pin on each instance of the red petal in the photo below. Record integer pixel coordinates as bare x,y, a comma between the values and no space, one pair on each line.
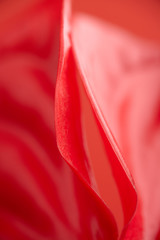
121,75
75,146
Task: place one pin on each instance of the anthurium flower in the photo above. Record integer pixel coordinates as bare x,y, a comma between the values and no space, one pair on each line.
79,126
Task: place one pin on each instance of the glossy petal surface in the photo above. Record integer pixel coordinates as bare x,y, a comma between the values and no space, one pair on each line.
73,150
121,75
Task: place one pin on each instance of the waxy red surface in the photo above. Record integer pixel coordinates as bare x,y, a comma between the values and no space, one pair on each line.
79,126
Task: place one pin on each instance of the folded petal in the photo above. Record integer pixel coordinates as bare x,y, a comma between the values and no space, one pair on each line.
120,73
84,141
